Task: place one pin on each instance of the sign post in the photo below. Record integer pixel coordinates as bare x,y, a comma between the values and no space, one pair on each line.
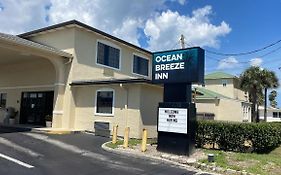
177,70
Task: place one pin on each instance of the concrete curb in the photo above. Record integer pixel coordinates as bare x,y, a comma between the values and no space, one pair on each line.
57,132
20,128
196,166
152,158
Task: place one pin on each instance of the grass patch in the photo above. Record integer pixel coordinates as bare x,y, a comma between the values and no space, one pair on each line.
263,164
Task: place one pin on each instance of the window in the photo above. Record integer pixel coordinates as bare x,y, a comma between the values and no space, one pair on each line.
104,102
275,114
279,114
140,65
3,100
108,56
224,82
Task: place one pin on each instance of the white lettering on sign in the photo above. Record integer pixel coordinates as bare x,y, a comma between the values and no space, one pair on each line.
172,120
171,66
168,58
167,63
161,76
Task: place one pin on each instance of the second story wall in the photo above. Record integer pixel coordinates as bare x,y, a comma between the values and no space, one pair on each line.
221,86
227,87
87,67
62,39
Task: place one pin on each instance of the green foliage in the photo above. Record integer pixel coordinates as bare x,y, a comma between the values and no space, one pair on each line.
49,118
241,137
272,98
254,80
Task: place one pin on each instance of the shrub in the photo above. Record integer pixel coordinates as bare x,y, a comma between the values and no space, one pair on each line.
230,136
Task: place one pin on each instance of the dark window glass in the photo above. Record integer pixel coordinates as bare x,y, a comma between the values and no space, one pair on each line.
108,56
279,114
104,102
140,65
275,114
3,99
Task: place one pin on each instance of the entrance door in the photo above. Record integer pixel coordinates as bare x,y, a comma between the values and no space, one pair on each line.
35,106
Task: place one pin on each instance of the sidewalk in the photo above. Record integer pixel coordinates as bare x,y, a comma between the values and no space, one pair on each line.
23,127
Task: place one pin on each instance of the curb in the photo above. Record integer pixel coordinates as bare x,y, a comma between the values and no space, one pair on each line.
39,130
56,132
152,158
197,167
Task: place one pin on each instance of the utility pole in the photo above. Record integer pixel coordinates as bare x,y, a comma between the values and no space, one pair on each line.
182,41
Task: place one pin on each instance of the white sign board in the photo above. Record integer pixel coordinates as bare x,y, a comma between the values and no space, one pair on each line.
172,120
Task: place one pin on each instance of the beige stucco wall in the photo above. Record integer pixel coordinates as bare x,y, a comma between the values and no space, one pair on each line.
216,86
207,106
63,39
83,45
32,72
33,75
85,67
85,103
230,110
231,89
151,95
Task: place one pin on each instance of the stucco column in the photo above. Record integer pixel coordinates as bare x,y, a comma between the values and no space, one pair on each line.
59,91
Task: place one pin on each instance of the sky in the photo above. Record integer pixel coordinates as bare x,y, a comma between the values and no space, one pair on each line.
231,26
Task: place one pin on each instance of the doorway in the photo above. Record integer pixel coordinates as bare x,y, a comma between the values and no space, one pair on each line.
35,106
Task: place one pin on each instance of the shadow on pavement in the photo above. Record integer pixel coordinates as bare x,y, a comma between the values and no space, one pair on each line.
12,129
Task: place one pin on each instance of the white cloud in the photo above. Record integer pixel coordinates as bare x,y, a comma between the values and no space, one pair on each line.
256,61
122,18
17,16
165,29
182,2
228,63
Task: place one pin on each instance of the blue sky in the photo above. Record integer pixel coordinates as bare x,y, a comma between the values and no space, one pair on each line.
230,26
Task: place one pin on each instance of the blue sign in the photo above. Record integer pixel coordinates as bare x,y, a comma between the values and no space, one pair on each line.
179,66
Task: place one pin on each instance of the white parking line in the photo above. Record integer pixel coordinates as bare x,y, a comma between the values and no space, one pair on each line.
19,148
16,161
86,153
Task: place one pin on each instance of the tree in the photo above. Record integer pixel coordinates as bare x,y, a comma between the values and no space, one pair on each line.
272,98
269,80
254,80
250,81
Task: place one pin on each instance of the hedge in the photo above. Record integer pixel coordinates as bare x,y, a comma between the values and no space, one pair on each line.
242,137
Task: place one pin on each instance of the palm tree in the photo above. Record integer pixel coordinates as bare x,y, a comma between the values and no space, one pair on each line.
250,81
254,80
269,80
272,98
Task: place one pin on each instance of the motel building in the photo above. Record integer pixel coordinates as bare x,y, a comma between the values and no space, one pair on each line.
89,80
83,77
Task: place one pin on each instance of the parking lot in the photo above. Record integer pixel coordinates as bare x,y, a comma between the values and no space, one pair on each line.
26,152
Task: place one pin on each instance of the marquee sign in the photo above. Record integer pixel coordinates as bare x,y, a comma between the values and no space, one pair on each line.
178,66
172,120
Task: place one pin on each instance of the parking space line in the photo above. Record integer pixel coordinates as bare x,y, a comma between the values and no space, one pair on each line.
19,148
16,161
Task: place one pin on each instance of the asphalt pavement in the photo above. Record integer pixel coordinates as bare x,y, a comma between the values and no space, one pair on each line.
23,152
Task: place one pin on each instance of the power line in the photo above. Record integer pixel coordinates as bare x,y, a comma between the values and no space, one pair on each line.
244,53
243,62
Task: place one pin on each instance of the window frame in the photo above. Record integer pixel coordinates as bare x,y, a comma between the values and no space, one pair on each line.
132,65
113,102
108,43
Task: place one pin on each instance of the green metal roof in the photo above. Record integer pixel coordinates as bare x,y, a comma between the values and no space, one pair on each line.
207,94
218,75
